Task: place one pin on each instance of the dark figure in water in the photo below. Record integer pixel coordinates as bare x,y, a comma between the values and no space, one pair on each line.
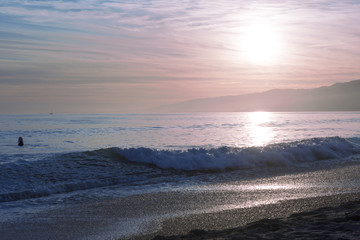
20,141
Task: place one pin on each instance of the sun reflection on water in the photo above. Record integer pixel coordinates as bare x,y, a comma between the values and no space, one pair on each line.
259,133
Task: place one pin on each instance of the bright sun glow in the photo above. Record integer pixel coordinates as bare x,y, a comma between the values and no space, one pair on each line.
261,44
259,133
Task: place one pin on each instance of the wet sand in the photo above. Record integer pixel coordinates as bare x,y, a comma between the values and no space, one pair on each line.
176,213
211,208
329,217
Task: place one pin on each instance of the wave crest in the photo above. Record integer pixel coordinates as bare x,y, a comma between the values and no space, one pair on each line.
223,158
76,171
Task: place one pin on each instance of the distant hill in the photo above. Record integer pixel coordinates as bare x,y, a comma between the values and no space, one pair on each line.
337,97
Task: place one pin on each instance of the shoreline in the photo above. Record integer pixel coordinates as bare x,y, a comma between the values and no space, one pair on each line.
165,215
304,218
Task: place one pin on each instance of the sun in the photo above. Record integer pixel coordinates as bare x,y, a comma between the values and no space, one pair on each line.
261,44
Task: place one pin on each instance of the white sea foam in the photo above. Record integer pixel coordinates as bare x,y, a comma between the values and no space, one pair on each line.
283,154
66,173
79,158
76,153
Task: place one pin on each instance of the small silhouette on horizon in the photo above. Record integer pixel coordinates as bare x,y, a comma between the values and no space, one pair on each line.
20,141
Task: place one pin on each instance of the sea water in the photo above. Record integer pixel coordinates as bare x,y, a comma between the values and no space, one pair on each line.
71,158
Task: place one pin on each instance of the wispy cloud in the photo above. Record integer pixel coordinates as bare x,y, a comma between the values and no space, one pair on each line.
175,43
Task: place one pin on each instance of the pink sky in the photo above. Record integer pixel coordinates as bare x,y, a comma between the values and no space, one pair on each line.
126,56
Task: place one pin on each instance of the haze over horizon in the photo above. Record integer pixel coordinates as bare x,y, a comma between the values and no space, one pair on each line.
86,56
337,97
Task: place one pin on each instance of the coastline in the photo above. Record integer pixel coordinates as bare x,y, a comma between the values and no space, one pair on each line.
85,186
308,218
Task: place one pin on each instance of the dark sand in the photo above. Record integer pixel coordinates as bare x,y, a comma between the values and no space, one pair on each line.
329,217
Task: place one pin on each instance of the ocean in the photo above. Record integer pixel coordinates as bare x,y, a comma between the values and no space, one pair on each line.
72,160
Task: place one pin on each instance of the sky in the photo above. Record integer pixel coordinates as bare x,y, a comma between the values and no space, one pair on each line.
99,56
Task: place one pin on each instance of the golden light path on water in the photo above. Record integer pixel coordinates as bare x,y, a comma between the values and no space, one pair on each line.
261,131
259,134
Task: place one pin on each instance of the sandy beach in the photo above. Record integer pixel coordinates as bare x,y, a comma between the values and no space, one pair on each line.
202,214
326,217
329,217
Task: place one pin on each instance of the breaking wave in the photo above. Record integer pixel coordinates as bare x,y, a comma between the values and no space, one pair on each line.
223,158
65,173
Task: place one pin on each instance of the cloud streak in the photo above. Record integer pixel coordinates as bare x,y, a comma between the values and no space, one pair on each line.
174,44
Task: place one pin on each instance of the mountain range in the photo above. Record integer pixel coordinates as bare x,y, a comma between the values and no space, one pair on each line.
337,97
